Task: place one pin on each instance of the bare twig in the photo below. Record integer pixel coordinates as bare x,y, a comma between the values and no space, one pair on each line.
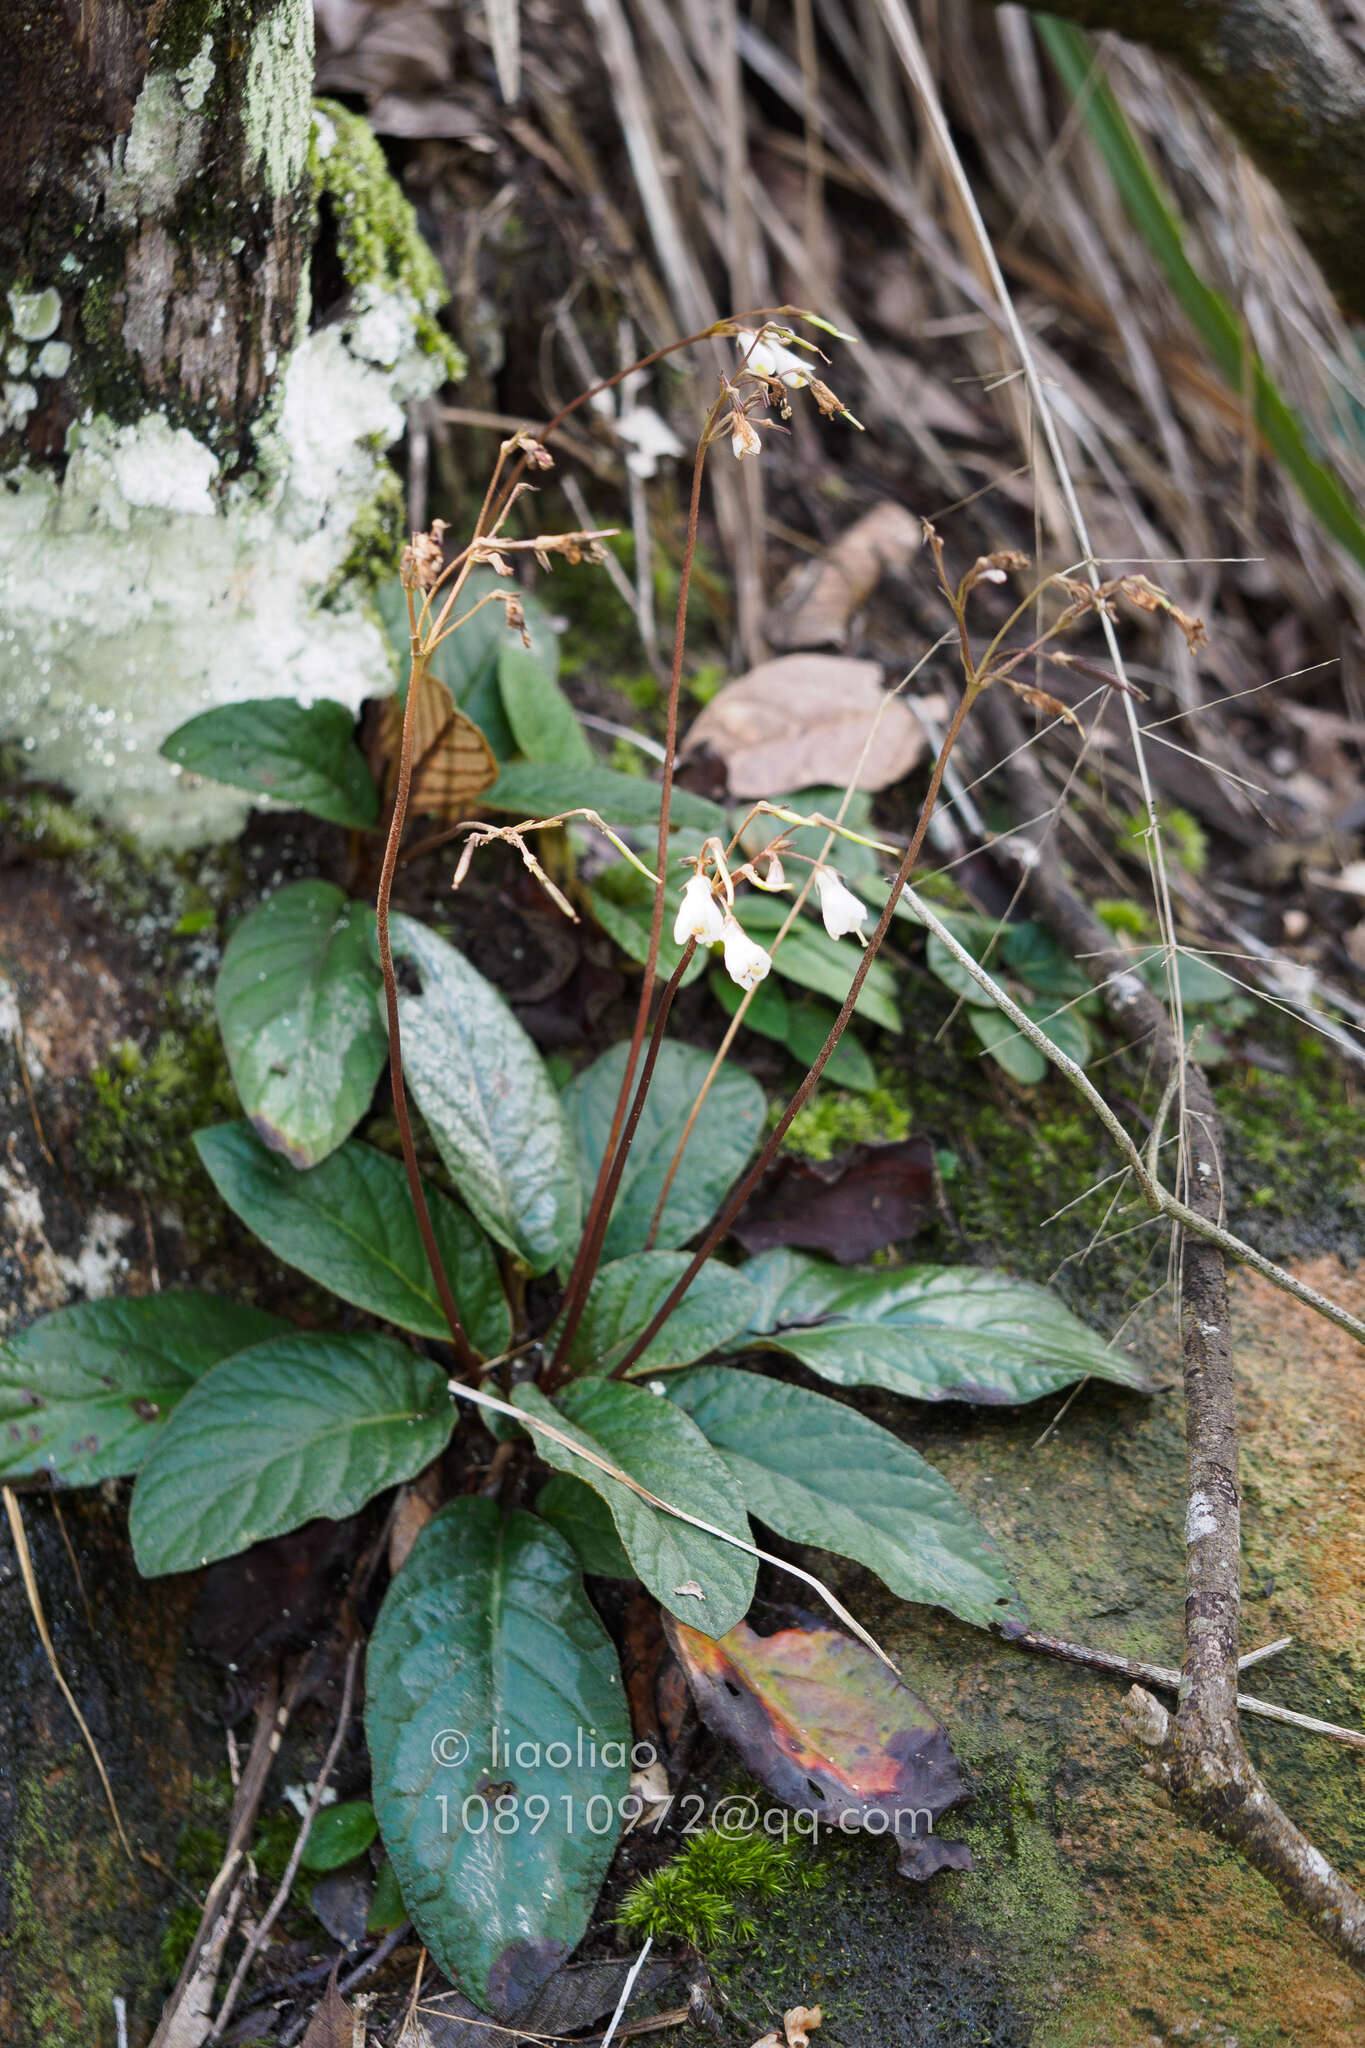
272,1718
1168,1679
260,1933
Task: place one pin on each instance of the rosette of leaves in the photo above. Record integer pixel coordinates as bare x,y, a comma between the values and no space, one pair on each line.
236,1425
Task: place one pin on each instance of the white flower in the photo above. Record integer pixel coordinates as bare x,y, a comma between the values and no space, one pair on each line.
699,916
767,358
745,962
840,908
744,437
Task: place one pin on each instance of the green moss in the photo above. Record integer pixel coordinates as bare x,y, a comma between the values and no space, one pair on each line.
145,1109
65,1958
835,1119
1020,1893
378,239
177,1938
273,1843
1182,833
1295,1145
627,759
1122,914
48,825
376,538
181,31
713,1889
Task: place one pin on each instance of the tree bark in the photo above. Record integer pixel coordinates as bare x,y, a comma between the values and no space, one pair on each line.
1292,91
155,213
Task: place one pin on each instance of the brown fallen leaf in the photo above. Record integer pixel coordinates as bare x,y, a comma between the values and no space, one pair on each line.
802,722
333,2024
816,604
800,2023
826,1726
849,1207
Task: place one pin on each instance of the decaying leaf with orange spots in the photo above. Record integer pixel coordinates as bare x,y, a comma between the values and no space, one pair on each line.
832,1732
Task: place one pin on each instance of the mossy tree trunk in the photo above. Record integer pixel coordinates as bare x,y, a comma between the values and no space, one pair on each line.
155,213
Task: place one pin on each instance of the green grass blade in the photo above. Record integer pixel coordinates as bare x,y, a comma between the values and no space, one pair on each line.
1153,213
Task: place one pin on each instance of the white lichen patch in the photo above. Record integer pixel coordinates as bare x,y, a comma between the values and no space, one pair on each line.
142,589
17,401
1200,1519
276,115
54,359
197,76
35,314
160,154
44,1278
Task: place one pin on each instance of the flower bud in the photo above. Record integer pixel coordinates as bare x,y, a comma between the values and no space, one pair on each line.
745,962
842,911
699,916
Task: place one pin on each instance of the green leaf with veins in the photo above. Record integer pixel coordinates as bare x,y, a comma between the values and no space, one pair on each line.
802,1026
487,1628
85,1391
303,755
934,1333
722,1140
584,1520
696,1576
544,723
338,1835
304,1425
818,1472
542,789
349,1224
624,1296
297,1006
1018,1055
812,959
482,1088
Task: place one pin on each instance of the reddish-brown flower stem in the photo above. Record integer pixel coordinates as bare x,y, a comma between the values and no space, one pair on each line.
464,1350
618,1162
594,1227
742,1192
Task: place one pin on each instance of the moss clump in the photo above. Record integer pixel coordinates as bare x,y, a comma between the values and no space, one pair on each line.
1295,1146
1181,831
712,1890
834,1119
378,240
376,538
147,1106
41,821
1020,1891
